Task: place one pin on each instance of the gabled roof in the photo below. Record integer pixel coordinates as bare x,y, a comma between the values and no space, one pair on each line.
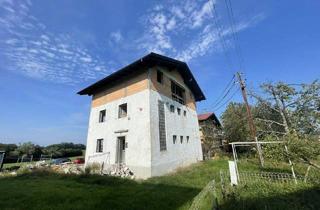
148,61
206,116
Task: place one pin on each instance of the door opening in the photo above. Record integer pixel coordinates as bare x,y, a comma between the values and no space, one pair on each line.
121,147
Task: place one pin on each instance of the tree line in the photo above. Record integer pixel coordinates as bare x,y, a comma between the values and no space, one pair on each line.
28,149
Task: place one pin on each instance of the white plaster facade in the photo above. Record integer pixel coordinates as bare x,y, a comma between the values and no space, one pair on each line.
141,131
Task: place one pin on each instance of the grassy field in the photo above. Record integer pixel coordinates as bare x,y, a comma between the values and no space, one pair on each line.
175,191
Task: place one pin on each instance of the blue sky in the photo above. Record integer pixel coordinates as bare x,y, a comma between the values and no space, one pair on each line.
49,50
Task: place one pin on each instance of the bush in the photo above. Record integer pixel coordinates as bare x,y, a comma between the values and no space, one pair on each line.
93,168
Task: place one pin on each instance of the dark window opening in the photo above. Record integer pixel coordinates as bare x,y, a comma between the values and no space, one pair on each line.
174,139
122,110
177,92
181,139
171,108
102,116
99,147
179,111
159,76
187,139
184,113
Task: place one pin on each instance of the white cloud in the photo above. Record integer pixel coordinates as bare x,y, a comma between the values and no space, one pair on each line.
171,24
185,30
200,16
40,54
116,36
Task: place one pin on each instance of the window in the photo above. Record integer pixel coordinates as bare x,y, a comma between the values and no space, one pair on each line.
122,110
191,96
181,139
184,113
102,116
172,108
174,139
159,76
187,139
99,147
179,111
177,92
162,126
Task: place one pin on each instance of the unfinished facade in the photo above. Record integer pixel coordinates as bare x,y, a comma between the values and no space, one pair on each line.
144,116
210,134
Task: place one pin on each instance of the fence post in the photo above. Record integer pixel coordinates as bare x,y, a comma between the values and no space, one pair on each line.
291,164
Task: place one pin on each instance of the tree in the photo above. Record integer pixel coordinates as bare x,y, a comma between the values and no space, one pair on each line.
234,121
8,147
212,137
64,150
27,148
297,107
307,110
299,149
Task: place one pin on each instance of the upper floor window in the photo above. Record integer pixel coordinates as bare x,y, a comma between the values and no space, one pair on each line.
184,113
181,139
122,110
99,147
159,76
102,116
174,139
179,111
187,139
171,108
177,92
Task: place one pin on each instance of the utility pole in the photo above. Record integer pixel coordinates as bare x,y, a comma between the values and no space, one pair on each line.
249,116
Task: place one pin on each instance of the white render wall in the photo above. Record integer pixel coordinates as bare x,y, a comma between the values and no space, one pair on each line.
137,122
177,155
143,155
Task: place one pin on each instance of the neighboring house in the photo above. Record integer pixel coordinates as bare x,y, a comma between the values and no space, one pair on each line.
144,116
210,134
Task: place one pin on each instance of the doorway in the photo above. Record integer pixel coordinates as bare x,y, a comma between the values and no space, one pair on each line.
121,150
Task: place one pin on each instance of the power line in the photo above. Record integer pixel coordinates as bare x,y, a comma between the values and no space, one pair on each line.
234,33
228,100
220,31
225,92
225,95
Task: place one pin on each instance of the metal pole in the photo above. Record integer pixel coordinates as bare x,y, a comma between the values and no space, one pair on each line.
291,164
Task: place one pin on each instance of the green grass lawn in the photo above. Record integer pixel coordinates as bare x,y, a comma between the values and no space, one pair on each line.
174,191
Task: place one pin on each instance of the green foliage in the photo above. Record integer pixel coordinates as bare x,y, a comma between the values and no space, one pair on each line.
307,110
13,151
64,150
235,124
27,148
8,147
301,150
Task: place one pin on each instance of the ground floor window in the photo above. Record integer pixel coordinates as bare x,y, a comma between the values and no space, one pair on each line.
99,147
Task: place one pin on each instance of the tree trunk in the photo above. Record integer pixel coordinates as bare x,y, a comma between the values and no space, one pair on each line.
281,110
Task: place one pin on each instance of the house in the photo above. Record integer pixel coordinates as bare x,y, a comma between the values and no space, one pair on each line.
210,134
144,117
